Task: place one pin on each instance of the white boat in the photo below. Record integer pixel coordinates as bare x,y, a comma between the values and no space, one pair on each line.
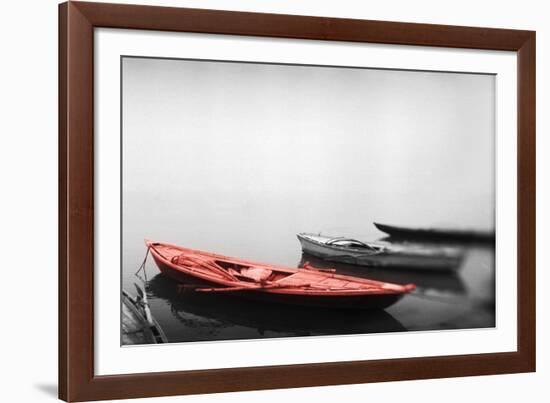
352,251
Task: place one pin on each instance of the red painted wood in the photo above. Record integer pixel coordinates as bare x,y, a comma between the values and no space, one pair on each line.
213,268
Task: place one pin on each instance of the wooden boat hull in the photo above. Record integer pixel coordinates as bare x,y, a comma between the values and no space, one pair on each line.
332,300
135,327
436,234
279,320
336,302
389,256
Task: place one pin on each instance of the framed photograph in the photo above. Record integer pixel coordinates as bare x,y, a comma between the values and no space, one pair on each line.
254,201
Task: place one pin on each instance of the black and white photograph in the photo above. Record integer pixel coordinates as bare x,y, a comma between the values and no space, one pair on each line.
271,200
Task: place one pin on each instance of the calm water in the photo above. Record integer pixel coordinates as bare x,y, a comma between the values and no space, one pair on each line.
237,158
259,230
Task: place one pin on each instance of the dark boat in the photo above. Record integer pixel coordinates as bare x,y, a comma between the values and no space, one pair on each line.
377,254
308,286
436,234
138,325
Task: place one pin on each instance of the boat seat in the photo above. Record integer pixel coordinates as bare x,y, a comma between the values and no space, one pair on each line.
257,274
349,242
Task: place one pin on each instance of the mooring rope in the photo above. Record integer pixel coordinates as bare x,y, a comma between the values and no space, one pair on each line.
142,267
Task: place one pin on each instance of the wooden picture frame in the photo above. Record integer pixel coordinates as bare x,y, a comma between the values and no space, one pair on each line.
77,21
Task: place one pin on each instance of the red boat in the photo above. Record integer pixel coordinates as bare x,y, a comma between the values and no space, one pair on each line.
308,286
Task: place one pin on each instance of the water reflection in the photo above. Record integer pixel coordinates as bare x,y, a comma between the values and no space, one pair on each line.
457,300
201,316
444,282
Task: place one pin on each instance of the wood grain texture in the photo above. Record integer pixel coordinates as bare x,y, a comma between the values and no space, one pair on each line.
62,322
76,209
77,381
299,27
527,201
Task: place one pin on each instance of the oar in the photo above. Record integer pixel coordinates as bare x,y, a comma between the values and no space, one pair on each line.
247,288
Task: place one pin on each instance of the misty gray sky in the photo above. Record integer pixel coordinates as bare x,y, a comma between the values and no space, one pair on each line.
325,148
